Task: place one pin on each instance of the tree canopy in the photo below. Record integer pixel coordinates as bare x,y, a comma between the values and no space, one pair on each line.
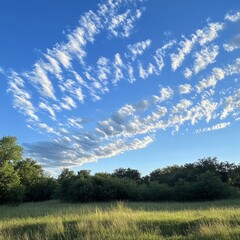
25,180
10,150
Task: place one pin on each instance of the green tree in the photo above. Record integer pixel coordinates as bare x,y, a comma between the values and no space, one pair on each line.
10,151
11,190
66,180
41,190
66,174
128,173
84,173
234,178
168,175
82,190
210,187
29,171
37,185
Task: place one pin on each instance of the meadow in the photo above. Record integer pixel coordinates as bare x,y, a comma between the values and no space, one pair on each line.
121,220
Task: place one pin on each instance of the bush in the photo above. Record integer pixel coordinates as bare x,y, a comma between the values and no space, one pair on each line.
82,190
42,190
210,187
183,191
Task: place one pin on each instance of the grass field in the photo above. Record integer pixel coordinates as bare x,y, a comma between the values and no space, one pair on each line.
119,221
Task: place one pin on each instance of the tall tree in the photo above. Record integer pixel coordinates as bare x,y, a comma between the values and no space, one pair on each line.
10,151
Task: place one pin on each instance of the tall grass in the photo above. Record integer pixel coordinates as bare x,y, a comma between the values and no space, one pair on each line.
120,220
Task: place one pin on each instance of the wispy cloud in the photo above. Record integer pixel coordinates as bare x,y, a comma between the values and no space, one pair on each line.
206,56
186,46
219,74
22,98
138,48
201,36
68,103
41,81
231,104
122,25
209,33
147,71
76,122
1,70
235,17
160,53
187,73
185,88
54,93
233,44
165,94
63,154
49,109
213,128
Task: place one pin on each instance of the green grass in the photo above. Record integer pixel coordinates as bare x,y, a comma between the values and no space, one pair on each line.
119,221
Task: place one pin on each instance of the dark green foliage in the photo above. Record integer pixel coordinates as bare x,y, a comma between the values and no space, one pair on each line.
38,186
183,190
25,180
168,175
65,174
105,188
160,192
84,173
100,187
206,179
234,177
154,192
128,173
43,189
65,188
210,187
82,190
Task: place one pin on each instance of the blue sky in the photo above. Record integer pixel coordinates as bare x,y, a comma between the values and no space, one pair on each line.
128,83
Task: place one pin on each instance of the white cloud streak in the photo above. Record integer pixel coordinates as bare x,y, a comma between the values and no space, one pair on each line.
231,104
160,53
219,74
206,56
233,17
201,36
21,97
39,78
213,128
187,73
185,88
209,33
139,48
186,46
49,109
165,94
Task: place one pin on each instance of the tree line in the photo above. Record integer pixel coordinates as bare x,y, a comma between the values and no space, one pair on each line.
25,180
